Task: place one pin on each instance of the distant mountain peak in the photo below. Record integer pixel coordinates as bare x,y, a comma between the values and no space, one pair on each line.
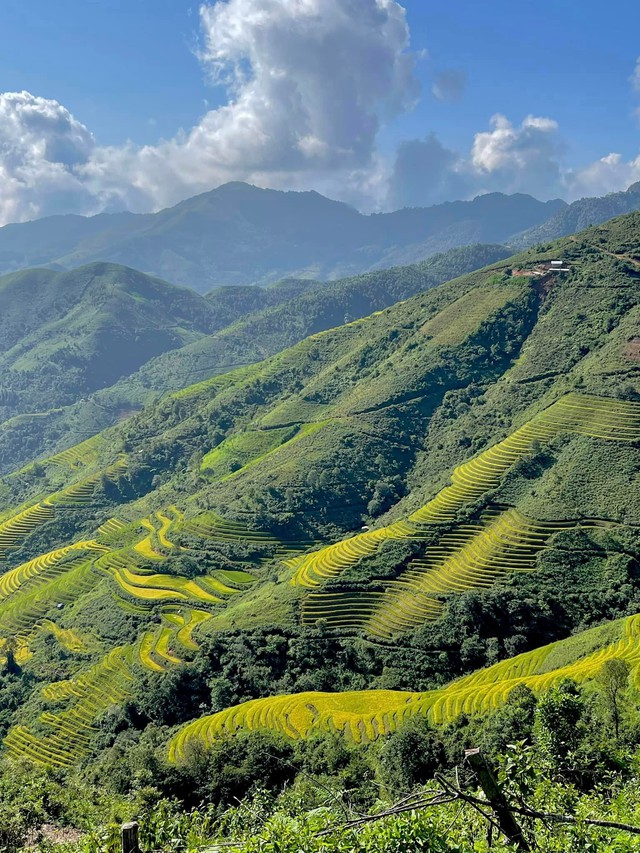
239,233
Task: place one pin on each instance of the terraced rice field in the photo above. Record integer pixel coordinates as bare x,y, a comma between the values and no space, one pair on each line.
69,733
14,530
19,614
68,638
32,591
365,715
208,525
471,556
78,456
160,647
597,417
45,567
313,569
29,591
138,582
155,652
603,418
156,545
111,528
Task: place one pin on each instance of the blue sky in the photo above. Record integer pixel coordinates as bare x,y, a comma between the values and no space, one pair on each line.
128,70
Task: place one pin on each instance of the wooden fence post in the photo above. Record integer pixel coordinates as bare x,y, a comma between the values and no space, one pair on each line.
130,838
496,799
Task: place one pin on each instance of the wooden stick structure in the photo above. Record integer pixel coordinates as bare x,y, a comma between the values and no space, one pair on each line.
129,835
496,799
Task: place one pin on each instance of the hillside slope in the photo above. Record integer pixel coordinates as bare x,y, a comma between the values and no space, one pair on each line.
366,715
65,335
240,234
580,214
384,506
105,325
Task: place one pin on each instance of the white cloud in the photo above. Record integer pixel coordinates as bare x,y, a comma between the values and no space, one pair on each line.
635,77
309,83
449,85
609,174
41,147
506,158
516,159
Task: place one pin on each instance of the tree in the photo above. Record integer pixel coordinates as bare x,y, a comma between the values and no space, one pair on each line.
412,755
612,681
557,719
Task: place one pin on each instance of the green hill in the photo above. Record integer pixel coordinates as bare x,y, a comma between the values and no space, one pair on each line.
391,523
240,234
65,335
107,339
582,213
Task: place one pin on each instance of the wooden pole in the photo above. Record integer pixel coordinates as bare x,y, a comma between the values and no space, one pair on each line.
496,799
130,838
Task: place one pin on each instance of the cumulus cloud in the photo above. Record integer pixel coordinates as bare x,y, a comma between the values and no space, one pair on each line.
449,85
425,172
506,158
41,148
516,158
310,80
605,175
309,83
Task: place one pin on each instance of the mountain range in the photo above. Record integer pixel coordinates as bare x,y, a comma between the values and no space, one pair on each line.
318,535
240,234
103,339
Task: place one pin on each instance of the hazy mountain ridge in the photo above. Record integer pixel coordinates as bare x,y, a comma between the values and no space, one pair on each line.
240,234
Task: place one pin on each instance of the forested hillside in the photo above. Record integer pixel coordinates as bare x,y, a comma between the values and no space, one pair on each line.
327,568
582,213
241,234
105,339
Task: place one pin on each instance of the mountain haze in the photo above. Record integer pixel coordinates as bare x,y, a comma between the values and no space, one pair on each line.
240,234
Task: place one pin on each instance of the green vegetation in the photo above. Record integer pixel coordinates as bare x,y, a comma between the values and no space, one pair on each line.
370,714
409,529
72,384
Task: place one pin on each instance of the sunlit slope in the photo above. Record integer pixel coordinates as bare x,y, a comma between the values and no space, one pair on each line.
471,554
476,432
367,714
126,563
168,608
58,385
